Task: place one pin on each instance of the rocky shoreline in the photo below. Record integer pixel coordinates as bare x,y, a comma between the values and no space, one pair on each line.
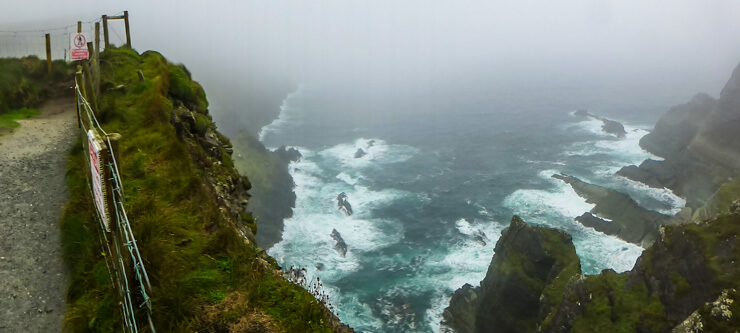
687,278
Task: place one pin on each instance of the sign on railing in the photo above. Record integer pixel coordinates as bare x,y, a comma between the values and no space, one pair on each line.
97,179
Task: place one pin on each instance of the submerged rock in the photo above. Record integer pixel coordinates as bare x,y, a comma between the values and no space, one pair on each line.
360,153
343,204
340,246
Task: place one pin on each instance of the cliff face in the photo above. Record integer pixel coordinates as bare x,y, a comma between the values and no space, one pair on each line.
524,281
272,184
700,144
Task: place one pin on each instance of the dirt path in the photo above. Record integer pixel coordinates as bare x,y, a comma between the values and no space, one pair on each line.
32,194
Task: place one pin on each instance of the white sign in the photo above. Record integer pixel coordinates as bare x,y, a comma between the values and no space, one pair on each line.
96,172
79,48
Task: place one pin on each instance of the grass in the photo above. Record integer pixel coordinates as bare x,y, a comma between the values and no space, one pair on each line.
8,119
205,276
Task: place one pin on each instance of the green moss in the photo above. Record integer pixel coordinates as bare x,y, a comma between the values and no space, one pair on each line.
680,284
8,119
201,124
614,307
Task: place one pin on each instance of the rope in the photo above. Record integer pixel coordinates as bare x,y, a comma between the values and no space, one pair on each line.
125,234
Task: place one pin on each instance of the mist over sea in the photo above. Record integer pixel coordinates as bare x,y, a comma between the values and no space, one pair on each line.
442,176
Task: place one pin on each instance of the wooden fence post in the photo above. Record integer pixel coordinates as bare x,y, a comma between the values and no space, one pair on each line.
128,32
92,73
96,62
81,84
105,31
48,52
79,27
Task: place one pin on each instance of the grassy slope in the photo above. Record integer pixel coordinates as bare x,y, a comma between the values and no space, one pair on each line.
24,85
204,276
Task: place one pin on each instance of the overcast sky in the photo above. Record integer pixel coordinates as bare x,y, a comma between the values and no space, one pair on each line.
405,43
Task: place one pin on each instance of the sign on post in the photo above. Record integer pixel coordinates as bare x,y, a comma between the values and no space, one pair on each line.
79,48
97,179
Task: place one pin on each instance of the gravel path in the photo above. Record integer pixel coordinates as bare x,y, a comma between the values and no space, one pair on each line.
32,194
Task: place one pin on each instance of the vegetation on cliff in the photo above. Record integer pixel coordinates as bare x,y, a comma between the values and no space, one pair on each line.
186,205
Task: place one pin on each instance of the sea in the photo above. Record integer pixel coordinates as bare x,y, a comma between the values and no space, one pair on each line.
442,176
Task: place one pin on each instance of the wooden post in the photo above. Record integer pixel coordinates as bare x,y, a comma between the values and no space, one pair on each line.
79,27
111,153
105,31
48,52
92,73
96,61
78,79
128,32
90,97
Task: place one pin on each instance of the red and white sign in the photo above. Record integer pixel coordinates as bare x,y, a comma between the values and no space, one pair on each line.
79,48
96,172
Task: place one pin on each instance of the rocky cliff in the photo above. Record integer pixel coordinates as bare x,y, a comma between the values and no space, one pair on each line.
700,144
524,282
686,281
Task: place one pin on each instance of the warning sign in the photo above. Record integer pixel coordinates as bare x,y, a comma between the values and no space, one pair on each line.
96,171
79,48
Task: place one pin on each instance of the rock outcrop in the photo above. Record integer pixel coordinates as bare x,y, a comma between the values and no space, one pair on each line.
343,204
609,126
687,267
526,277
360,153
340,246
615,213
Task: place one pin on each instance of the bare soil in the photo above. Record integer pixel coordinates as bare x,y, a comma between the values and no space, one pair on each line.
32,194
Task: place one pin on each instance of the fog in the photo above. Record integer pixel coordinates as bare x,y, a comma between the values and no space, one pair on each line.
248,54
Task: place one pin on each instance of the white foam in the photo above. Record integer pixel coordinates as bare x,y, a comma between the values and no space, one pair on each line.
379,152
599,251
663,195
343,176
284,117
563,199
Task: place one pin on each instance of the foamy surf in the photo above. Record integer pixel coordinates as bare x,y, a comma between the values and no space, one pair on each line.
286,114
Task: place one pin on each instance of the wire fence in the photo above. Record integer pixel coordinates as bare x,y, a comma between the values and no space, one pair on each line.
15,43
123,259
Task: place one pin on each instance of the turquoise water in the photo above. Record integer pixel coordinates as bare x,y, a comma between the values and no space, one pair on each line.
440,180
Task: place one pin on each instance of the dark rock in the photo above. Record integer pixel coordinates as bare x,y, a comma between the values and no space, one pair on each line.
613,127
627,219
677,127
512,297
460,315
343,204
370,144
360,153
340,246
288,155
610,126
